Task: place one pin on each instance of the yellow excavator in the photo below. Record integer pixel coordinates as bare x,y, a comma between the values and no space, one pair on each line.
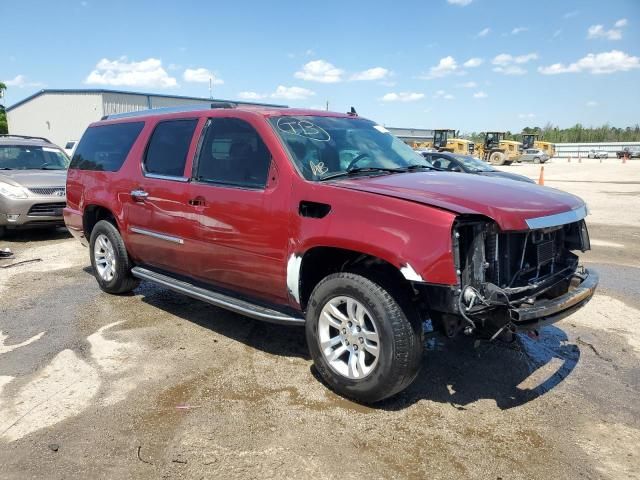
530,140
448,141
498,151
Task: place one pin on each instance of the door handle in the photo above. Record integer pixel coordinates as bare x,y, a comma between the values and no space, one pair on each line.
197,202
139,195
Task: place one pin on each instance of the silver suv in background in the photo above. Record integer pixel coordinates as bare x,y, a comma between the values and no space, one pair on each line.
534,155
33,174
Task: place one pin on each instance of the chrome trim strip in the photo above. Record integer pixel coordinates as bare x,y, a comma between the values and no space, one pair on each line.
166,177
557,219
161,236
221,300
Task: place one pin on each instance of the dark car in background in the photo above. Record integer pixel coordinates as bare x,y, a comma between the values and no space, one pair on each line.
33,174
467,164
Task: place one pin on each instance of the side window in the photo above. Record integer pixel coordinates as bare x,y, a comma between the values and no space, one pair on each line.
441,162
168,147
232,153
105,147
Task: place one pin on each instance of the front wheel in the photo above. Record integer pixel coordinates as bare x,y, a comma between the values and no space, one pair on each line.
110,260
363,343
497,158
536,160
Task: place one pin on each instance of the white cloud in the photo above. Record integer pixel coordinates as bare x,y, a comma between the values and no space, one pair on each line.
621,23
467,85
599,63
507,59
446,66
292,93
21,81
443,94
480,95
402,97
526,115
518,30
375,73
592,103
473,62
121,72
320,71
484,32
509,64
571,14
461,3
200,75
246,95
598,31
510,70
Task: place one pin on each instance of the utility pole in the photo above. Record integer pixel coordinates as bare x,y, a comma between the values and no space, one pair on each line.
327,105
210,88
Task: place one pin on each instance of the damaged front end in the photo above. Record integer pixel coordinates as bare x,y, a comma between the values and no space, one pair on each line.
514,281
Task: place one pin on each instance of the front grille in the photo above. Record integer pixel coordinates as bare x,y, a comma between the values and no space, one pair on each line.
47,209
545,252
49,191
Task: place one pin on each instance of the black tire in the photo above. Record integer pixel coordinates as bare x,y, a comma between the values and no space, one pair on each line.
2,231
122,281
399,330
536,160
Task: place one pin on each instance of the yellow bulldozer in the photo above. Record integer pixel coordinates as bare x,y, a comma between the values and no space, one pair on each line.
530,140
498,151
448,141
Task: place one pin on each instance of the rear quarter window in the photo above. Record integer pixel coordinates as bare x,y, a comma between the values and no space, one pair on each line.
105,147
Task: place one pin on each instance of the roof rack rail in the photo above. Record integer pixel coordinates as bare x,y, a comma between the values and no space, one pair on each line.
26,137
184,108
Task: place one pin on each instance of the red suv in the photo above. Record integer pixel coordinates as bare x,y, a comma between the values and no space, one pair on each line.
328,221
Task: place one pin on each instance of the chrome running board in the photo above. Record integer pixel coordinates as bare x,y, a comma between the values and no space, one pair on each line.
221,300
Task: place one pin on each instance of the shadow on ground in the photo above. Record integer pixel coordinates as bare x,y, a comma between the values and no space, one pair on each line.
35,235
456,371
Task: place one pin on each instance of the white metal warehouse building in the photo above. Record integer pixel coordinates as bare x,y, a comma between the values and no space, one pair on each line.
63,115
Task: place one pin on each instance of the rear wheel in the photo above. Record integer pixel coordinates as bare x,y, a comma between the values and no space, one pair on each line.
536,160
497,158
363,344
110,260
2,231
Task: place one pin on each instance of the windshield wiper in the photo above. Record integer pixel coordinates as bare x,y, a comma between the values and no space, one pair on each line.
417,166
355,171
5,168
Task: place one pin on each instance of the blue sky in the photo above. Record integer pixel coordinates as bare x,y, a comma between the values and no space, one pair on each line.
463,64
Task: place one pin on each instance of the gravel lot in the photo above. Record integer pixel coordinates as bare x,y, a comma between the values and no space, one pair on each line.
157,385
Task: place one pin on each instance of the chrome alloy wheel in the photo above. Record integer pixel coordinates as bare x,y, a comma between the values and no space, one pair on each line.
348,337
105,258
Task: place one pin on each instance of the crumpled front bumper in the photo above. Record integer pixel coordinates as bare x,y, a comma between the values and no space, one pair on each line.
547,311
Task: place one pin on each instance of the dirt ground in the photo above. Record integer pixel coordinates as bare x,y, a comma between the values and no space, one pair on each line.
155,385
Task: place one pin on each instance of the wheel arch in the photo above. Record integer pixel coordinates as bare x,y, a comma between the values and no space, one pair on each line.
307,269
92,214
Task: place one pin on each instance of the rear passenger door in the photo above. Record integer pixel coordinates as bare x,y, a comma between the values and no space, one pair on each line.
239,211
158,198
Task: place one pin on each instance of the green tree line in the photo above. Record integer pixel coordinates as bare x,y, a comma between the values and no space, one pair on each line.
4,128
576,134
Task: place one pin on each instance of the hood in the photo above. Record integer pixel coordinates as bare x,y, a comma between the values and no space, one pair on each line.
510,204
510,176
34,178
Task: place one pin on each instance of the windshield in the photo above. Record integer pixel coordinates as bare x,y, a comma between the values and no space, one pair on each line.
474,164
27,157
324,147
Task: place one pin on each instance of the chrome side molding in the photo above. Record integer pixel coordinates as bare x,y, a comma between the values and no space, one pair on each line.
221,300
161,236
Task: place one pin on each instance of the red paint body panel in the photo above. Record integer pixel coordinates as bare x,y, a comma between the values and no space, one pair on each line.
507,202
242,239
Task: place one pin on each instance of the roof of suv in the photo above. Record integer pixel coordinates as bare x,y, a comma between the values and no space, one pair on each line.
267,111
8,139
